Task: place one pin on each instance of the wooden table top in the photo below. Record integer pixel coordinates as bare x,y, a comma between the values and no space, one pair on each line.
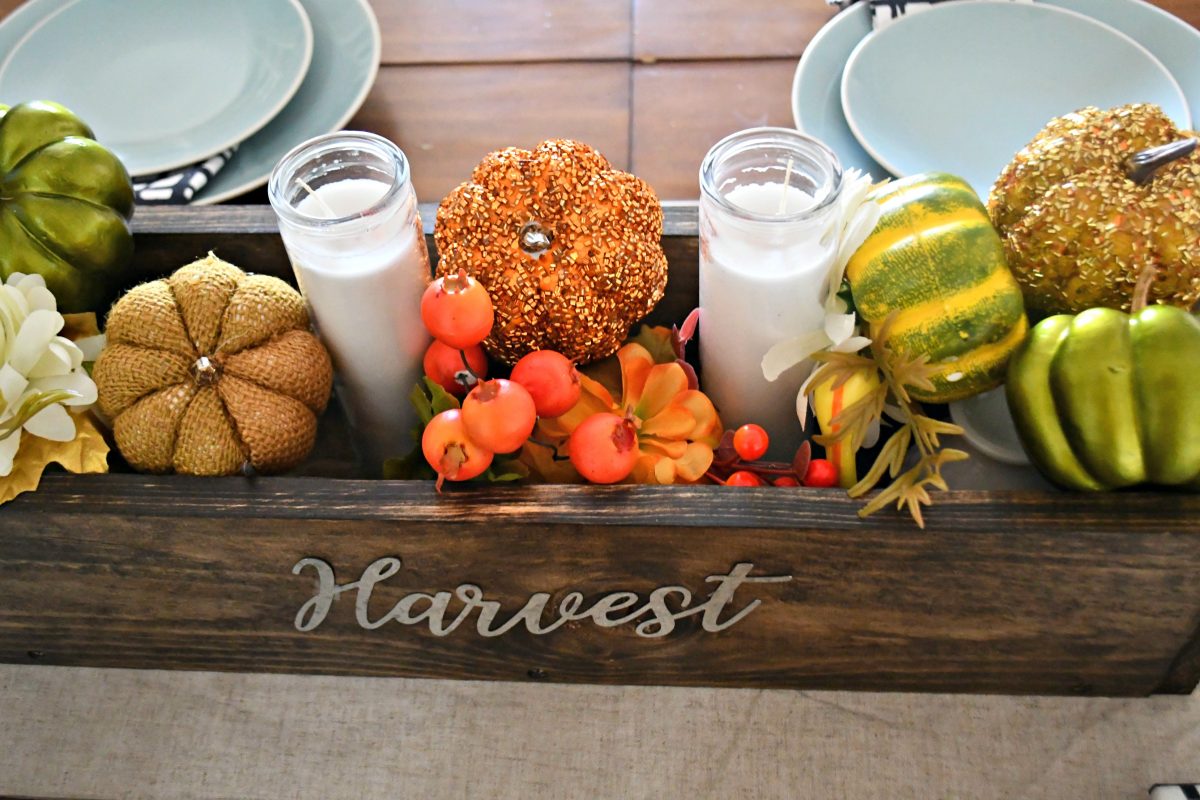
651,83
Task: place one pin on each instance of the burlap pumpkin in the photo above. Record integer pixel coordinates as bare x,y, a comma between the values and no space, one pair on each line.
213,372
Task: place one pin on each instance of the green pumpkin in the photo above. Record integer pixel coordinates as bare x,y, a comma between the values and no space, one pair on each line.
1104,400
936,262
65,204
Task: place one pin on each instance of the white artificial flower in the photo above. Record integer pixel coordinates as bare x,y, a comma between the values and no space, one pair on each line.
40,371
856,217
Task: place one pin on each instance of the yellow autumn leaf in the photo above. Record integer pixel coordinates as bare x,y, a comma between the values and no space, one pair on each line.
87,453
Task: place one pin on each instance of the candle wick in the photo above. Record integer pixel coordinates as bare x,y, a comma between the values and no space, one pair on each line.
787,179
320,200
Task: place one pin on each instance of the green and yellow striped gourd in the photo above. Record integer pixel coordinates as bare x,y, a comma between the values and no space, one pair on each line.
935,259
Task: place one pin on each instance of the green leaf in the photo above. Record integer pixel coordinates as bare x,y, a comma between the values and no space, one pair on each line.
896,444
411,467
657,341
441,399
847,296
430,399
506,470
31,405
420,402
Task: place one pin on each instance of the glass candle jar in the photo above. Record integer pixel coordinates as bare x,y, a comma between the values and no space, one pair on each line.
349,221
768,213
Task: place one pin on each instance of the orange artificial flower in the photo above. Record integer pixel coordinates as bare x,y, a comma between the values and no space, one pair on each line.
678,427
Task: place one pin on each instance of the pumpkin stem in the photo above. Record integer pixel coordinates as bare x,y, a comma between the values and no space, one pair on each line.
1142,165
206,372
1141,290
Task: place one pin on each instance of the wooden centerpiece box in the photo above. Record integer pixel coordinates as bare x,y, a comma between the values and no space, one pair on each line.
321,572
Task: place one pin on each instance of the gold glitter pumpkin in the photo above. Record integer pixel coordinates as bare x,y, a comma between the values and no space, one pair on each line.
213,372
568,247
1078,232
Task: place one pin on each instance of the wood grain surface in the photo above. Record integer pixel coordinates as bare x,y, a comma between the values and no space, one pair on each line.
446,118
718,29
469,31
1035,594
1017,593
682,109
651,83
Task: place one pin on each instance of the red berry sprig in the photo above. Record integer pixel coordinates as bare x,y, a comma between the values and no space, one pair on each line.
736,463
821,474
751,442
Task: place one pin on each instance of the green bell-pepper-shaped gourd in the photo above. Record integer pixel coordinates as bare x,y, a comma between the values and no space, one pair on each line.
1104,400
65,204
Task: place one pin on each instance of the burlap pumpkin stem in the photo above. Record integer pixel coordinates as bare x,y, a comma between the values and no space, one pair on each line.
213,372
568,247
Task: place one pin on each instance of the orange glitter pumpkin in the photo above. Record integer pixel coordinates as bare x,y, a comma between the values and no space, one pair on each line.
568,247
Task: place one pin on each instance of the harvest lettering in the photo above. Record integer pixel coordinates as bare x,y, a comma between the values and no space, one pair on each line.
655,614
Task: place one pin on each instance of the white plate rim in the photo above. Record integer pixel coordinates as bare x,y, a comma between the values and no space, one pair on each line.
961,416
858,49
268,114
360,97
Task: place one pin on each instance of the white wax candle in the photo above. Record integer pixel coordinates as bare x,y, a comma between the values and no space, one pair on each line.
770,198
761,283
364,289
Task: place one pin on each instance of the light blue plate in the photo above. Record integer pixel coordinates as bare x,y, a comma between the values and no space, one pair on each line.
816,87
164,83
345,62
951,89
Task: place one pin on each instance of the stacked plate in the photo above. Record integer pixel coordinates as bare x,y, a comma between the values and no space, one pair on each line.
172,86
961,87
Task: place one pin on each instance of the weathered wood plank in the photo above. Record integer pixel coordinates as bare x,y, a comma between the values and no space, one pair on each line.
447,118
719,29
681,110
703,507
1187,10
468,31
991,598
1016,593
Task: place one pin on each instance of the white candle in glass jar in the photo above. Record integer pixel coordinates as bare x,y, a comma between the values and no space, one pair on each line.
358,252
766,250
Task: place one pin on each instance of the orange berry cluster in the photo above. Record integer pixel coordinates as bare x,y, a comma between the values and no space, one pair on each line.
497,416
